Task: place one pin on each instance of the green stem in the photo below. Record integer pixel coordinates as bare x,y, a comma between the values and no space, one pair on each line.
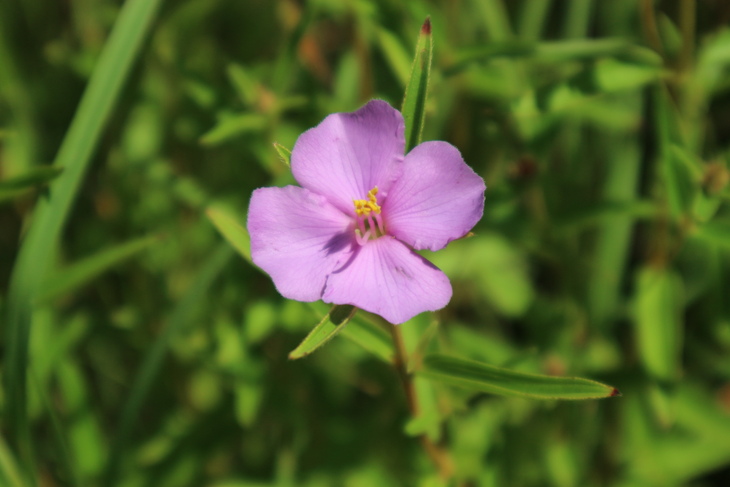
687,20
438,455
649,26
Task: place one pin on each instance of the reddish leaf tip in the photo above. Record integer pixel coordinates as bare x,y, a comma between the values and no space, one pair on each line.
615,392
426,27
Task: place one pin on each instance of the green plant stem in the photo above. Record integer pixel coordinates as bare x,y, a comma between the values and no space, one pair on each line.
649,26
438,455
687,20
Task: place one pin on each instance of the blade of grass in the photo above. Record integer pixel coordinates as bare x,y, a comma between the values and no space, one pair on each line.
34,177
533,16
60,435
495,19
615,232
414,101
79,273
578,19
497,380
9,470
658,317
179,319
115,63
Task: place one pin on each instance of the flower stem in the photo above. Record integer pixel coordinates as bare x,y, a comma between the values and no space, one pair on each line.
436,453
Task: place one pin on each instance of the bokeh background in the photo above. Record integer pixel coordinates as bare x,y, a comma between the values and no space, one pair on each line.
158,356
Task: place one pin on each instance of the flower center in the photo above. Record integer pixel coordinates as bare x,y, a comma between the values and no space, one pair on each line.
369,223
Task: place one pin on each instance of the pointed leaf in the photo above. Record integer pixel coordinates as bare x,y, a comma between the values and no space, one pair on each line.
414,102
496,380
86,270
231,126
36,176
364,331
9,470
230,227
331,325
658,317
284,153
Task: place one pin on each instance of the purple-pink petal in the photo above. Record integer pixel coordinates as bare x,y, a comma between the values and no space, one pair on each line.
348,154
437,199
298,238
387,278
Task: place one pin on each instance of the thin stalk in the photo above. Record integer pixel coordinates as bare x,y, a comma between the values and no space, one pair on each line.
438,455
578,19
649,26
687,20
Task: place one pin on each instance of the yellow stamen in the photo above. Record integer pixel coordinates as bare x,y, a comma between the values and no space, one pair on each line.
365,207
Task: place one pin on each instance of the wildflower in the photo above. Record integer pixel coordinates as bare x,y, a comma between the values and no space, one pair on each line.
348,234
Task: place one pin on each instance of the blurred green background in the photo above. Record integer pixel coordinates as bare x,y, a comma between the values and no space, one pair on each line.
158,357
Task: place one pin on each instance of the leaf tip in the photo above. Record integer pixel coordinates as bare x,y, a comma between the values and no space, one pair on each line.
426,27
615,393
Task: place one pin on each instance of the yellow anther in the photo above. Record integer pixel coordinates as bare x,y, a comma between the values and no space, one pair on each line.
365,207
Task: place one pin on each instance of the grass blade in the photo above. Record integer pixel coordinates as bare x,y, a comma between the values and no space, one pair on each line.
115,63
414,102
86,270
35,177
658,316
496,380
332,323
9,471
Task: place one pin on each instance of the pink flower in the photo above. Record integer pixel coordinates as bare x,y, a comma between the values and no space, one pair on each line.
348,235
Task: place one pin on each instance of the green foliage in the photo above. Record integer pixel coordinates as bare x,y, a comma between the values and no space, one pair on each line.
332,323
496,380
414,101
138,349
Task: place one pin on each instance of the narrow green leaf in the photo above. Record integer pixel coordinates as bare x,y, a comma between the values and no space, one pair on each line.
233,126
614,238
716,232
86,270
657,314
578,218
12,194
414,102
675,171
9,471
115,63
245,84
331,325
578,18
581,49
532,19
35,177
230,227
284,153
60,434
395,55
496,380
